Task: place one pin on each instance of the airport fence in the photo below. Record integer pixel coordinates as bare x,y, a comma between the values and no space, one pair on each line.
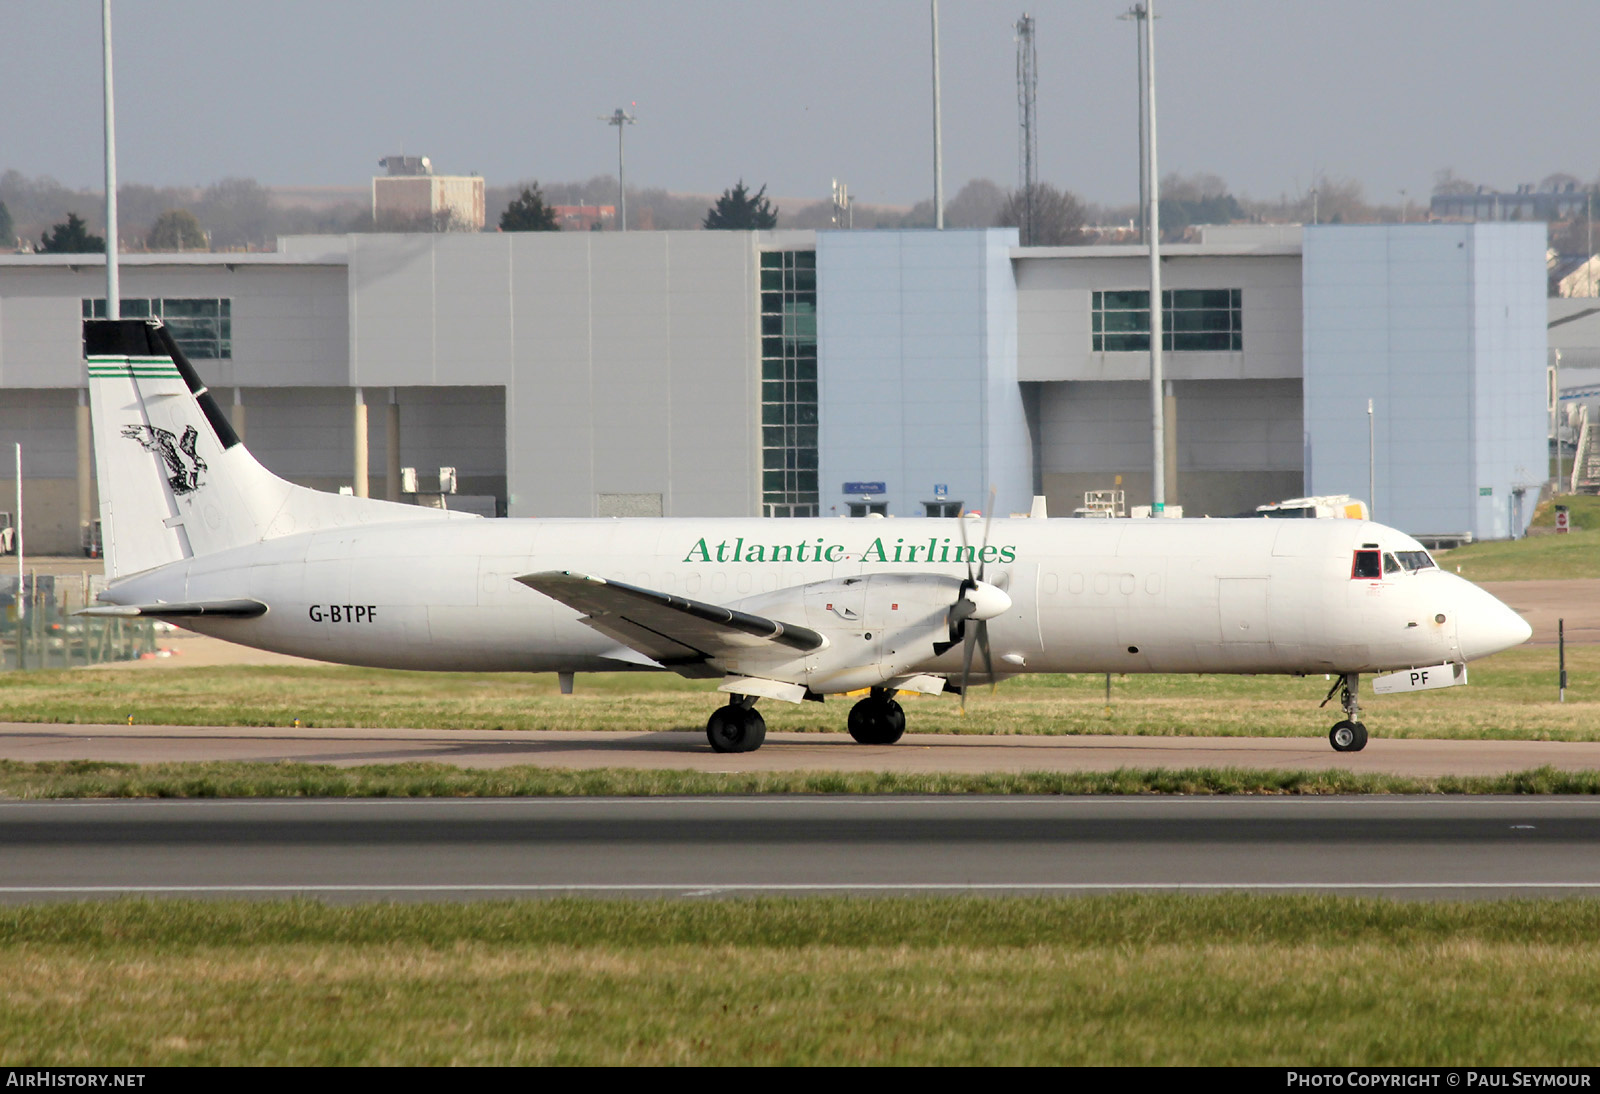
38,629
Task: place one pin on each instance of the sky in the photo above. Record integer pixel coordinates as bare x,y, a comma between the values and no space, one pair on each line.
1267,94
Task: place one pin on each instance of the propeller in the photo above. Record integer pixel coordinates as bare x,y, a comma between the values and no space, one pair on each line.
979,601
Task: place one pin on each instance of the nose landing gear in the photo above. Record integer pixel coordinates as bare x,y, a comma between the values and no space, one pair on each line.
1348,735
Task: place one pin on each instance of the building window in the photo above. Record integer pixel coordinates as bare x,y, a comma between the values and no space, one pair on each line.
203,328
941,508
789,384
1192,320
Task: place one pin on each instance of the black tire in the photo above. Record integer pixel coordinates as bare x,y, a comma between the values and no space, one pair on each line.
875,721
1361,738
734,728
894,722
755,730
1347,736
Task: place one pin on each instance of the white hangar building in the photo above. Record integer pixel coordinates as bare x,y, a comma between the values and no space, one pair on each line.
796,373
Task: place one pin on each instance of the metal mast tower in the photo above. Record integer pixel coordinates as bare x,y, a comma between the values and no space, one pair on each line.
620,118
1027,97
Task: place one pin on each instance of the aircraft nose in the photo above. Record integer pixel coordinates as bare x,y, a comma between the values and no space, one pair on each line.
1485,625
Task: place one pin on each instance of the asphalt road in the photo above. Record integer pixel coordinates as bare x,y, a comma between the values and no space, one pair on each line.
916,752
1429,847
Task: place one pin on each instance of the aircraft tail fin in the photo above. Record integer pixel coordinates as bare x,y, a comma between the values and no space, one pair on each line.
175,479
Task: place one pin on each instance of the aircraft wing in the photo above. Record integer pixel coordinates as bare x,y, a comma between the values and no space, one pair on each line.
676,632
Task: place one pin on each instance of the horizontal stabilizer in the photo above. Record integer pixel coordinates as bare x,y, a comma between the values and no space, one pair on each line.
237,609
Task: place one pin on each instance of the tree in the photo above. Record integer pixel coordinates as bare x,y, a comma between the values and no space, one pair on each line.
740,210
8,230
71,237
975,205
1057,216
529,213
176,230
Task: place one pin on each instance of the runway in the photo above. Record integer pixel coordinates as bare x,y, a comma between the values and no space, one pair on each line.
916,752
454,849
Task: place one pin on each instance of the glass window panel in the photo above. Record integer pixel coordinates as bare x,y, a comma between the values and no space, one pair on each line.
772,347
807,458
772,458
771,302
772,436
772,391
772,370
771,280
1122,321
807,415
771,414
1126,300
805,260
807,392
1127,343
805,281
806,370
772,324
771,260
772,480
808,481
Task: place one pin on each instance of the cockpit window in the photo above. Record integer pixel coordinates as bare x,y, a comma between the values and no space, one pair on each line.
1391,565
1416,560
1368,564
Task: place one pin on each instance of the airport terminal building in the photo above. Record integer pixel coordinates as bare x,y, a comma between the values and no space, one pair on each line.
800,373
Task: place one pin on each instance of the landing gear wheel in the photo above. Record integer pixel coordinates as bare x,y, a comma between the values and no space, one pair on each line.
736,728
877,720
1348,736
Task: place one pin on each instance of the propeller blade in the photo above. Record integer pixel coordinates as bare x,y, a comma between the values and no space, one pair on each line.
966,548
988,655
966,668
988,518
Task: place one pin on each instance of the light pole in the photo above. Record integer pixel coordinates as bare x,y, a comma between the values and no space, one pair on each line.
1136,14
113,294
1158,417
1372,465
620,118
938,132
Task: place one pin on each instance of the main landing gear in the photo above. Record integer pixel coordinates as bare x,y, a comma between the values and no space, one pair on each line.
1349,735
737,727
877,719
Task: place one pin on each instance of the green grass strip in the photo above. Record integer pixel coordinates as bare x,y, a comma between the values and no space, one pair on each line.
1143,979
94,779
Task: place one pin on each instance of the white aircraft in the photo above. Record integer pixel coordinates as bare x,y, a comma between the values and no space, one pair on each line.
196,531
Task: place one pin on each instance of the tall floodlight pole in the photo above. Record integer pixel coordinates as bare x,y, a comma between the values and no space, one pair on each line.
1027,102
113,293
620,118
1158,420
938,132
22,601
1136,15
1372,465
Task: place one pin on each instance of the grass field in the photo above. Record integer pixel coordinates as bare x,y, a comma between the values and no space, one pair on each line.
1574,555
1126,979
1512,695
97,779
1583,511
